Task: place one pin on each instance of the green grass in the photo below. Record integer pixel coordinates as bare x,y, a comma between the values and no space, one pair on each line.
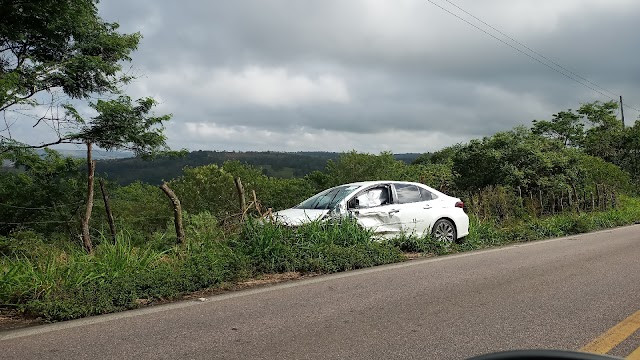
57,281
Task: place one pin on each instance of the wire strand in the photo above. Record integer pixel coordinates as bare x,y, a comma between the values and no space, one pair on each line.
531,50
527,54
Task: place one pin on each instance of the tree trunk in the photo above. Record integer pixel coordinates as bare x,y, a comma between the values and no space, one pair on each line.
107,208
243,201
91,168
177,212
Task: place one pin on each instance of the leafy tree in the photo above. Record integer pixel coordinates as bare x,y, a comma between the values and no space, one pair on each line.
566,127
516,158
629,156
605,135
51,45
353,167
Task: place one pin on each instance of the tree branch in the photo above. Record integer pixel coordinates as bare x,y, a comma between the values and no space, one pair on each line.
24,147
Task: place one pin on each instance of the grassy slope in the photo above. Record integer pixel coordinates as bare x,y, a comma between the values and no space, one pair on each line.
59,283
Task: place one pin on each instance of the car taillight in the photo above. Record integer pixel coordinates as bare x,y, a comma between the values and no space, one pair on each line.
460,205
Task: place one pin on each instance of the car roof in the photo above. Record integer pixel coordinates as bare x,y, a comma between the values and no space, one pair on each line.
378,182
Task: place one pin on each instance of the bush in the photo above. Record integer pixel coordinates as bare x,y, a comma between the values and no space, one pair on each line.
313,247
118,276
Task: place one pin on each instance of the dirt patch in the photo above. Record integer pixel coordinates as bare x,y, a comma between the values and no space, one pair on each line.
416,255
267,279
12,320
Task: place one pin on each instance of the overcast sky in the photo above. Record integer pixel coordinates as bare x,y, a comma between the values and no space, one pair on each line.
399,75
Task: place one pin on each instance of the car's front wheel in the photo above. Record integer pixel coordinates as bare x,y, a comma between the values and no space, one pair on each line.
444,230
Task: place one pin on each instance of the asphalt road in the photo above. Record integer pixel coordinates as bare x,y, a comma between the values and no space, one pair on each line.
560,293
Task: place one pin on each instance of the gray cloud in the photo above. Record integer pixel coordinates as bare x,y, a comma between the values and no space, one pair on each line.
370,75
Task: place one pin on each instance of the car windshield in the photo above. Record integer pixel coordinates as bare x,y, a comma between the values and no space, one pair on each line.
328,198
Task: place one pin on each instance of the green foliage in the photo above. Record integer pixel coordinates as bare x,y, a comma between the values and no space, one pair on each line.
207,188
522,159
485,234
629,158
139,208
65,285
604,137
50,44
516,158
423,244
594,170
43,193
565,127
314,247
202,228
353,167
120,124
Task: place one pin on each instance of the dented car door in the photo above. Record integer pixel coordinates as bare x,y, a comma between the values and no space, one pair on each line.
374,209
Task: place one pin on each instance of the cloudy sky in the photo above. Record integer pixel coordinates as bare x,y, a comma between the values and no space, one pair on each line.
372,75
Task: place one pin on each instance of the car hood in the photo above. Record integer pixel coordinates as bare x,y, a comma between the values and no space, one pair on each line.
295,217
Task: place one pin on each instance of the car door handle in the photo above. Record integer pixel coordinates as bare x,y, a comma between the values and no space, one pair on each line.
427,207
391,212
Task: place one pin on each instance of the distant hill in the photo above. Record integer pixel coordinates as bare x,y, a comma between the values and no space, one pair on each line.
276,164
96,154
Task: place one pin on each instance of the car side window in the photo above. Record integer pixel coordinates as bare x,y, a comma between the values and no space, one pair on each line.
427,195
408,193
371,198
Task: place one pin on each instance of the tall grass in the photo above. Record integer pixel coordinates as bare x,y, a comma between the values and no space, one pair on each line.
61,282
315,247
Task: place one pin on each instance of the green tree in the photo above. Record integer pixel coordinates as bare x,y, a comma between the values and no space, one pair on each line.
47,45
629,156
516,158
58,44
353,167
565,127
604,137
43,193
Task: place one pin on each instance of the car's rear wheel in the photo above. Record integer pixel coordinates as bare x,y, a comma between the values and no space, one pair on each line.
444,230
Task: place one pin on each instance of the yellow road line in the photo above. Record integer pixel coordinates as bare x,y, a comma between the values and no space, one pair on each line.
635,355
614,336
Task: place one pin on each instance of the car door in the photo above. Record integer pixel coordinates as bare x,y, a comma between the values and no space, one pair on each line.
373,209
414,208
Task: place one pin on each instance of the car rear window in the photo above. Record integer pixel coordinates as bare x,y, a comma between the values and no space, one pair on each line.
408,193
427,195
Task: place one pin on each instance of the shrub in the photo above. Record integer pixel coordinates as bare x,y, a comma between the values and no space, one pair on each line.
313,247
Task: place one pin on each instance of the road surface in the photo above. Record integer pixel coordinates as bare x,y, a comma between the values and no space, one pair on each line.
570,293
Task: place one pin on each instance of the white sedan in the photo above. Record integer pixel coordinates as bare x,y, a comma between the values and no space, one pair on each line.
389,208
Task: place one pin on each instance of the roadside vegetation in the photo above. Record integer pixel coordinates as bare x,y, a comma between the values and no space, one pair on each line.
62,258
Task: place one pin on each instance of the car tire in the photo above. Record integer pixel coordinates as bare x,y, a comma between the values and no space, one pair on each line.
444,230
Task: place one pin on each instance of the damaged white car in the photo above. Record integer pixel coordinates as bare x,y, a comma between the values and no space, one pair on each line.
389,208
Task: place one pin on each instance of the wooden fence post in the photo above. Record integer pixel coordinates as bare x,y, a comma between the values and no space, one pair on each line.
107,209
177,212
243,201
